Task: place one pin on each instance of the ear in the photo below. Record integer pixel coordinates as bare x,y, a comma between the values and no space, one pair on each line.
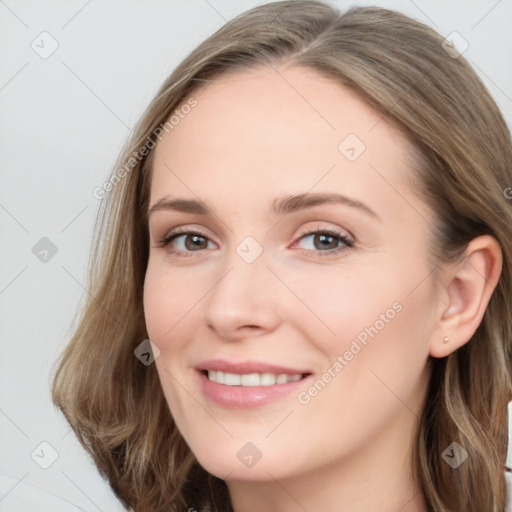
468,284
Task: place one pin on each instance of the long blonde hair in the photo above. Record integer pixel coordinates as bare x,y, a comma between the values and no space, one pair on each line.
463,156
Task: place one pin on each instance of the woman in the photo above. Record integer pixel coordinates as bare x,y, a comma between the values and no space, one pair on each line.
301,146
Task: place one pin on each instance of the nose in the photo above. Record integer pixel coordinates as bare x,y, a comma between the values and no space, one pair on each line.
245,301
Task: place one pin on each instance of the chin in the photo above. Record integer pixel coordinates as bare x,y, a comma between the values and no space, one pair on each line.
245,460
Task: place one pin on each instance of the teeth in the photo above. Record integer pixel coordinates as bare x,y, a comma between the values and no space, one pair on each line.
268,379
281,379
232,379
251,379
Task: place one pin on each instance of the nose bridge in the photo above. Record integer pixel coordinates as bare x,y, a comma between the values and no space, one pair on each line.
246,294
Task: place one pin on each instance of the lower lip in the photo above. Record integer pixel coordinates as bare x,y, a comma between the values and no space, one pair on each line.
245,397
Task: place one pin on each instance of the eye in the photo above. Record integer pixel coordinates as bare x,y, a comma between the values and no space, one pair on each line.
322,241
326,242
183,243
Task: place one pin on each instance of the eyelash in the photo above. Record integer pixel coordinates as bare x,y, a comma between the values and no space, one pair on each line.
347,242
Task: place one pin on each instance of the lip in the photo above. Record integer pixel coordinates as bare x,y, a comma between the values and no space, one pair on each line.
244,367
244,397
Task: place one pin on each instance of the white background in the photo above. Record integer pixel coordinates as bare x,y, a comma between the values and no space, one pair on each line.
63,122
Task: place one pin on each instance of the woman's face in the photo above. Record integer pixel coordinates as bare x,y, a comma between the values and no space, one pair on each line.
289,258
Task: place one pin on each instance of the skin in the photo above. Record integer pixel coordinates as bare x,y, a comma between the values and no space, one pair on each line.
257,135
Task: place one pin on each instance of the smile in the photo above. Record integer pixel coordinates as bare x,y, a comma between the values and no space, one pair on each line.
251,379
248,384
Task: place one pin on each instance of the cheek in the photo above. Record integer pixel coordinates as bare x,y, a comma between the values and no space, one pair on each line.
168,298
169,313
376,372
382,335
378,321
343,304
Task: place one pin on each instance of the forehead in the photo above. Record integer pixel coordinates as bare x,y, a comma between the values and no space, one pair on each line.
283,130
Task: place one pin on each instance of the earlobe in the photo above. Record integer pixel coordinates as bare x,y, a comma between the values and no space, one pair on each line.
470,285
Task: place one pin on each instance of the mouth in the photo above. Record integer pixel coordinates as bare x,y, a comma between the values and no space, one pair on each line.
248,384
252,379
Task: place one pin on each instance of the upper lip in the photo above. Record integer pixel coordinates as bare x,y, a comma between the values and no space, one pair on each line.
245,367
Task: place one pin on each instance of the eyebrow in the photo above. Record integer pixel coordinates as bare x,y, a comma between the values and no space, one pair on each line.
279,206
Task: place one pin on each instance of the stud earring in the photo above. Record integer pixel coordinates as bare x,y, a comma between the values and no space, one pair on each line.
446,339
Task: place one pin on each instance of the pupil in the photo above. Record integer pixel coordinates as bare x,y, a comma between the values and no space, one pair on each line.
323,238
198,241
